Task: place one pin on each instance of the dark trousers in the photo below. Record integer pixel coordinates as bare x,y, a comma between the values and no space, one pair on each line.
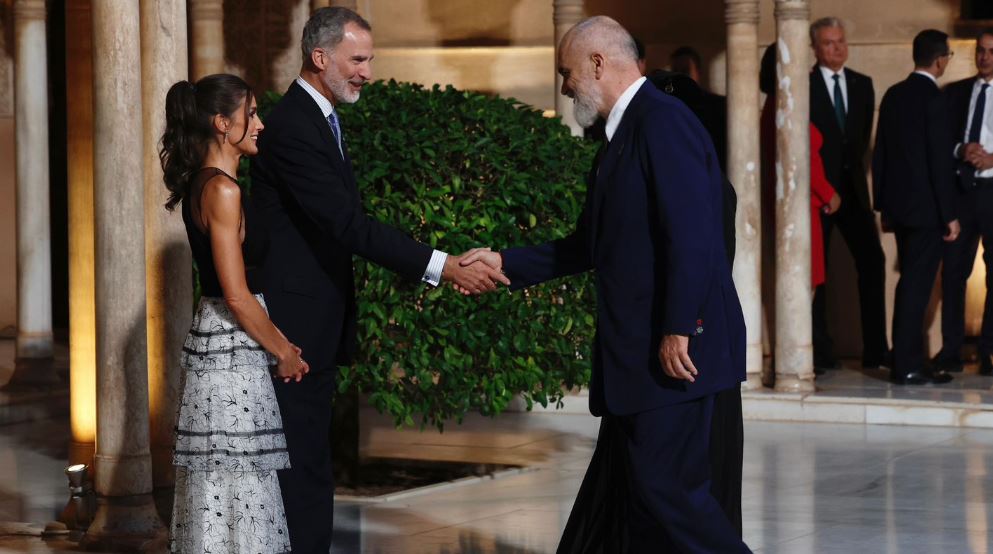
918,256
858,229
308,485
672,508
976,218
727,440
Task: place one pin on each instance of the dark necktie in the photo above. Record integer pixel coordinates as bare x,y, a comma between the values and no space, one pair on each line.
839,102
336,130
976,129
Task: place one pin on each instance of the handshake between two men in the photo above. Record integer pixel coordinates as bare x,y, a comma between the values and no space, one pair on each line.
480,270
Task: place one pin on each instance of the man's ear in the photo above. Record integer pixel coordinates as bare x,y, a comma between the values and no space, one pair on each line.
599,64
319,59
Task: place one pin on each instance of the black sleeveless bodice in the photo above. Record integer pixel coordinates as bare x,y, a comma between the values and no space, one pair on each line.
253,248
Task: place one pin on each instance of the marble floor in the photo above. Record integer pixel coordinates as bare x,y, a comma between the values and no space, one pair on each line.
808,487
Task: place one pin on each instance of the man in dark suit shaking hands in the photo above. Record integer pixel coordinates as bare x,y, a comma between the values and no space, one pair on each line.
305,190
970,104
913,187
670,332
841,105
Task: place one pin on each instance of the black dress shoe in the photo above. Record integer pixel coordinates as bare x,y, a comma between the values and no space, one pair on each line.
944,364
912,378
986,364
939,376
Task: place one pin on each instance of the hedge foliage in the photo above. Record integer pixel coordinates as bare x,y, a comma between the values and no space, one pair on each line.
457,170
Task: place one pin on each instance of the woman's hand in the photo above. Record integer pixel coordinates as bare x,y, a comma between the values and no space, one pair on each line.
291,365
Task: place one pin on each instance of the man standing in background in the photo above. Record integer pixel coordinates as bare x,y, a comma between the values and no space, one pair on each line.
972,130
841,106
913,188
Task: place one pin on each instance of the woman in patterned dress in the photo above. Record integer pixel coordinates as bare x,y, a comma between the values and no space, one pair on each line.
229,437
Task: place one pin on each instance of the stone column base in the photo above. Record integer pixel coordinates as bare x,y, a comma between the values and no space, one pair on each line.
33,374
793,383
126,524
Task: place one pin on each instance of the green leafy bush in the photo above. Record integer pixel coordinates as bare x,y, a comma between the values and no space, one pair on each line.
458,170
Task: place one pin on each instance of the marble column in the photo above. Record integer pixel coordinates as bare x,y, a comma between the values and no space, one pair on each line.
565,14
794,353
126,518
79,150
207,39
167,255
34,262
742,18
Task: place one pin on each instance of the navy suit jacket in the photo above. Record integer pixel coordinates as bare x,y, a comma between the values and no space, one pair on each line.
912,165
652,229
309,198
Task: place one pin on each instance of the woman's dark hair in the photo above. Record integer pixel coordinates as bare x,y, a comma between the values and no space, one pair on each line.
190,110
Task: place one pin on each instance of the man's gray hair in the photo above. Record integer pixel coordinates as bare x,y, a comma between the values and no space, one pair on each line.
326,28
824,23
607,36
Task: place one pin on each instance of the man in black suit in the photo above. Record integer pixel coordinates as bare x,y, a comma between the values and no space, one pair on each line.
712,109
913,188
971,119
303,184
841,105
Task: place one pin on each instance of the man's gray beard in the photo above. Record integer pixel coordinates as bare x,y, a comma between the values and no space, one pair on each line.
342,94
585,111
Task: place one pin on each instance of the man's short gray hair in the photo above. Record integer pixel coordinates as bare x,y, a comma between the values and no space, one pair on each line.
606,35
326,29
824,23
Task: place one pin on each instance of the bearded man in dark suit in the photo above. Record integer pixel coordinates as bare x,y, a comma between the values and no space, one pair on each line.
304,187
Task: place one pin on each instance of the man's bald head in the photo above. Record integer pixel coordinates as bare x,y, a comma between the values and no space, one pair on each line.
602,35
598,61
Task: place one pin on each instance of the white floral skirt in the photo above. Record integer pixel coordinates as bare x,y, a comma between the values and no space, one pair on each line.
229,442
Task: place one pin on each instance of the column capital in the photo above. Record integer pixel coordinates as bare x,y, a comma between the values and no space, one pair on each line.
741,11
29,9
201,10
792,9
567,12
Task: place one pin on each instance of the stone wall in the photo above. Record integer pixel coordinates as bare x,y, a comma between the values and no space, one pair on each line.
8,244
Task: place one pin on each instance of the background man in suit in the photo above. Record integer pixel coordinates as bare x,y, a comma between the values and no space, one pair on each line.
304,186
913,187
712,109
670,332
841,105
971,119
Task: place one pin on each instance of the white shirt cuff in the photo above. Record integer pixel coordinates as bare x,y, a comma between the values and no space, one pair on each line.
432,275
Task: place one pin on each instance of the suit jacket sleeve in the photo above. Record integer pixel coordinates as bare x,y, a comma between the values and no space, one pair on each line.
684,193
870,108
941,161
530,265
879,161
299,157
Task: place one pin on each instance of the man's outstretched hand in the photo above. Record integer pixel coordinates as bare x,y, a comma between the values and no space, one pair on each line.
469,277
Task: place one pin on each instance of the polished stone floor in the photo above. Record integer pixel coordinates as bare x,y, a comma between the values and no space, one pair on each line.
809,488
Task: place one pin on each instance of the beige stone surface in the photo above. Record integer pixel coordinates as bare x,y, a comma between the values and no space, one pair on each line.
123,465
8,251
793,350
167,254
743,170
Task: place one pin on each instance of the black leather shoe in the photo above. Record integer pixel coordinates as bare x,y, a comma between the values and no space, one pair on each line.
913,378
986,364
940,377
944,364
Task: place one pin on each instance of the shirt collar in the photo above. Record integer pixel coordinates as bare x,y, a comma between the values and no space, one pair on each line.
980,82
829,74
617,112
928,75
322,101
